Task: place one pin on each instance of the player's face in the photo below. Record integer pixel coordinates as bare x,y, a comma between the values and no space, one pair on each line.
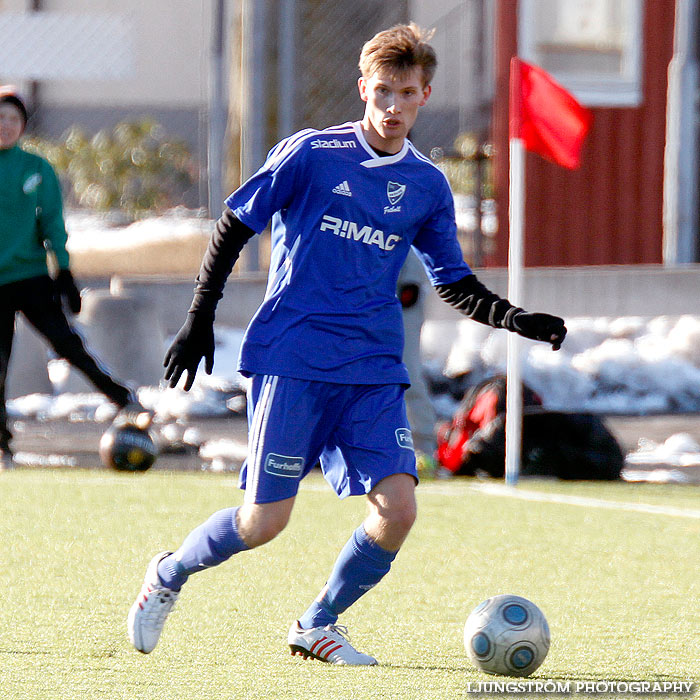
392,106
11,125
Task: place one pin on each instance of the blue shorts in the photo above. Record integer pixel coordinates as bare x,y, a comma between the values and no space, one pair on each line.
358,433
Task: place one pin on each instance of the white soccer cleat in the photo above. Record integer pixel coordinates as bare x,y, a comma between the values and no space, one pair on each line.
153,604
329,644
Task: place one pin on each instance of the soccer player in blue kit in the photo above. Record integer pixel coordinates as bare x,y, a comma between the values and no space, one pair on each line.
324,349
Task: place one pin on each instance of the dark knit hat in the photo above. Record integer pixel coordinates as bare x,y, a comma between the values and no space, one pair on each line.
8,93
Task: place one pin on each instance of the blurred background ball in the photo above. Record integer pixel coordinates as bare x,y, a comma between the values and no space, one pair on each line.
128,448
507,635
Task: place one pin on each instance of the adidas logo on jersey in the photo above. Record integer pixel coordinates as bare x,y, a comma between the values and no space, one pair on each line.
343,188
352,231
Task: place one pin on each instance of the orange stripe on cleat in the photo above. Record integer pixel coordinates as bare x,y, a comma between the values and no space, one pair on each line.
320,650
316,643
330,651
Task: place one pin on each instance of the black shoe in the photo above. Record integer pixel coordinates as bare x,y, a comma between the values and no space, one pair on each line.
134,414
7,458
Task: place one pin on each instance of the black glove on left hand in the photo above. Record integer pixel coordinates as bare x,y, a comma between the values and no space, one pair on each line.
194,341
65,284
538,326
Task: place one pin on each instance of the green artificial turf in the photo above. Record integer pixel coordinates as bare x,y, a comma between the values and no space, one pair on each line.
620,588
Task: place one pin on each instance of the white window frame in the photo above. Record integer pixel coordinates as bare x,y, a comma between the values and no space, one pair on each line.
594,89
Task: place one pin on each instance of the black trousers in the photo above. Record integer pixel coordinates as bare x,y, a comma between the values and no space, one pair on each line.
38,301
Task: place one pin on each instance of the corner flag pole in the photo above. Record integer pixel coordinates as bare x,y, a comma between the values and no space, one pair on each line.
516,218
547,119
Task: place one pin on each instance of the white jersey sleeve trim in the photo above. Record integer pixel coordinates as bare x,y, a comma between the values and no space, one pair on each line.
287,146
284,269
346,128
284,148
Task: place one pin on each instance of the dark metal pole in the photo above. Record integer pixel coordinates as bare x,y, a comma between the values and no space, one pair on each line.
682,161
286,67
254,103
217,110
34,88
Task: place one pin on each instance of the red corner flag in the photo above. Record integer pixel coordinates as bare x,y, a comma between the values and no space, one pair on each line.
548,118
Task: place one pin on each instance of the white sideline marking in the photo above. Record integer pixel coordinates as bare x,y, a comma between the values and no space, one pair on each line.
585,501
100,478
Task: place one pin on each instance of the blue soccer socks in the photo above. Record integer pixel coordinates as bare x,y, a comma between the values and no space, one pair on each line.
361,565
212,543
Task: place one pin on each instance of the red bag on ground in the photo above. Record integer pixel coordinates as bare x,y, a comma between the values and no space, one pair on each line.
479,407
564,445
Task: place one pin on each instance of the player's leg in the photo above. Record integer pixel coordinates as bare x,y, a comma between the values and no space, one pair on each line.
370,551
224,534
362,563
7,325
270,491
283,446
376,433
43,310
392,511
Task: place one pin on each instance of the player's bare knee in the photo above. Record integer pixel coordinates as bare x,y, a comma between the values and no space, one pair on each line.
401,516
261,531
262,534
393,503
390,522
260,523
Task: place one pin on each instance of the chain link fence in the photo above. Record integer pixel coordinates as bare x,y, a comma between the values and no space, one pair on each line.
305,55
327,40
453,127
331,38
66,45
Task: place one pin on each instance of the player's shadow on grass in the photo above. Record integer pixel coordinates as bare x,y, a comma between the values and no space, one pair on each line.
433,667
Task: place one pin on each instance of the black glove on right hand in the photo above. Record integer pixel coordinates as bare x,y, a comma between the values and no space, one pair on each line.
538,326
194,341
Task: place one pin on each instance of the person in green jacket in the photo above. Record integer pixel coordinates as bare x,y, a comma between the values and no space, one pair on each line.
31,222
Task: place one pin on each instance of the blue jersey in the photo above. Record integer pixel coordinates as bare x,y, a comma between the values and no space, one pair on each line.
343,221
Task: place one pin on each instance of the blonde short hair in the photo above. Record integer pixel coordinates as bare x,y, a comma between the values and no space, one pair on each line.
399,49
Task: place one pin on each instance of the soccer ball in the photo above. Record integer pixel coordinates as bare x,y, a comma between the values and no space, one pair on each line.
507,635
128,448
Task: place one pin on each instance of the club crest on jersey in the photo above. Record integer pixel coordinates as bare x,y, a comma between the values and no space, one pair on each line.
353,231
394,191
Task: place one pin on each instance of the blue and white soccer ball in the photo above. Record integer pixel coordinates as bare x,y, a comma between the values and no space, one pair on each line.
507,635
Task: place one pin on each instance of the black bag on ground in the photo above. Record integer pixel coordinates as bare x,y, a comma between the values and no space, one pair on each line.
563,445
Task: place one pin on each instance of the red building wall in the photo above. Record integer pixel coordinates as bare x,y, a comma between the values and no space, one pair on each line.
610,210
